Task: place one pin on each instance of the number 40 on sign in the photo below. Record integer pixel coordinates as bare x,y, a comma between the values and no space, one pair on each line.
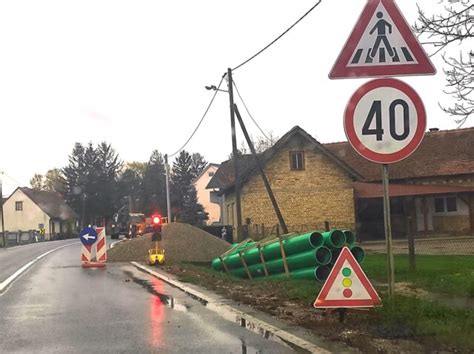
385,120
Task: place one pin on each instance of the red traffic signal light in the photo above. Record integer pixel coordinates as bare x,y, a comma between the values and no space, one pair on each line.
156,219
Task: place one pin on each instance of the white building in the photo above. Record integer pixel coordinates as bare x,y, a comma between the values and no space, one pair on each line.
28,209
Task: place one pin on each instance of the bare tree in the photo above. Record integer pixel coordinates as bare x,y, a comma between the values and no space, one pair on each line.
37,182
454,25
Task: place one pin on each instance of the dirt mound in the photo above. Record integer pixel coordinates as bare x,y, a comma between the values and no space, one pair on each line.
182,243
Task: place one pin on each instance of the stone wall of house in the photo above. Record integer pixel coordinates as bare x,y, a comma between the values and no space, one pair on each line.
307,198
453,225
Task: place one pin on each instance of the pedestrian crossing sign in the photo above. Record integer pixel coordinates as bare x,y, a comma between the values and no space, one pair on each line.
381,44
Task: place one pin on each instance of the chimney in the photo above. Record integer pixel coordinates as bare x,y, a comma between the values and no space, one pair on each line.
432,130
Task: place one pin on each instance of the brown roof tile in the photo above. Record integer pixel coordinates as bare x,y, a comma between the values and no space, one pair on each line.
441,153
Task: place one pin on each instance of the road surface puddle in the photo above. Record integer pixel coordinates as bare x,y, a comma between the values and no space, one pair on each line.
153,287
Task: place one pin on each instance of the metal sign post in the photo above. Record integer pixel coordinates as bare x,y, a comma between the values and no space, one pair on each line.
385,121
388,232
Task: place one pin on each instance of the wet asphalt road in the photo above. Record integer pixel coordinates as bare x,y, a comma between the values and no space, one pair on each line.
59,307
13,258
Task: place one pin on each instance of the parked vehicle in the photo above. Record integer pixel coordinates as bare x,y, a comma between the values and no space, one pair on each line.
128,224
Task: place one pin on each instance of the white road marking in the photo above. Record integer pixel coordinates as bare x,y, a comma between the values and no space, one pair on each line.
4,285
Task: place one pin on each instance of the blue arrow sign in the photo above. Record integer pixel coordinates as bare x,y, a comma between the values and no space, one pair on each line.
88,236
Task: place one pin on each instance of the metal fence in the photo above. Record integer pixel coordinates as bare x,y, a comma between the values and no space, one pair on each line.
25,237
18,238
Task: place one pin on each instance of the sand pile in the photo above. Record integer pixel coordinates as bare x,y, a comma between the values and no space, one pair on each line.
182,242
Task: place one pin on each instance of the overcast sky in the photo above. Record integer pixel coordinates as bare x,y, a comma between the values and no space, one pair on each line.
133,73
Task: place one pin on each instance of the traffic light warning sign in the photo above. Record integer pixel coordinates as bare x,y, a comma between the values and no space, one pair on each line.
347,286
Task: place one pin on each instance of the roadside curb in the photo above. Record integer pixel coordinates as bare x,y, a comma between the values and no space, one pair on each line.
112,244
245,318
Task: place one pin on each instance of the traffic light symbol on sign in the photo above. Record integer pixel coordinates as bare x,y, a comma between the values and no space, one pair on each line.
347,282
347,286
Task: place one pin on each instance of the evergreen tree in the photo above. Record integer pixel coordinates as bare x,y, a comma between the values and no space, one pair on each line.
198,164
181,178
192,212
154,185
106,171
75,178
186,168
91,181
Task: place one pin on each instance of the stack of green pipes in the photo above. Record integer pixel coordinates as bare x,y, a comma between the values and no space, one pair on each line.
309,256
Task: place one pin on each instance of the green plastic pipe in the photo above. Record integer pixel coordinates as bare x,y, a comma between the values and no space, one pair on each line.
232,259
293,245
334,239
334,254
358,253
256,270
319,273
350,237
312,258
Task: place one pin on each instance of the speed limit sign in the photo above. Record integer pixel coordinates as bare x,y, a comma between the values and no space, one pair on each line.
385,120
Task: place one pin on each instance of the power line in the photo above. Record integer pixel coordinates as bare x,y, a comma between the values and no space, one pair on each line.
248,112
202,118
277,38
11,178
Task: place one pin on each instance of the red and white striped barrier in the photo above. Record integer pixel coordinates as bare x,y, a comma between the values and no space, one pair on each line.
100,248
101,245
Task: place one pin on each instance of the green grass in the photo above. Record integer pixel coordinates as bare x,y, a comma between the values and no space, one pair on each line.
436,326
452,275
427,321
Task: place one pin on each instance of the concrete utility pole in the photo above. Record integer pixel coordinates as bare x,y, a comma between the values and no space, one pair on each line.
168,204
1,210
235,156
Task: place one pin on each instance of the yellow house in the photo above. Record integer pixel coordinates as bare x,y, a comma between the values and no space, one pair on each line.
28,209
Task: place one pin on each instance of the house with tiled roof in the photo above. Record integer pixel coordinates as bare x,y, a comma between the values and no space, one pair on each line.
29,209
313,183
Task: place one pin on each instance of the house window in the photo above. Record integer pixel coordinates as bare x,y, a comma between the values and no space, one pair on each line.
445,205
439,205
18,206
296,160
451,205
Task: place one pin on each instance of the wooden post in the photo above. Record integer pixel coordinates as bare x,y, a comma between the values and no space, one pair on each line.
425,215
326,226
262,259
411,245
235,157
224,265
268,188
242,259
283,256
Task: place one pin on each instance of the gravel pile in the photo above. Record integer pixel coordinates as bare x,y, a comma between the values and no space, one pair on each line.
182,243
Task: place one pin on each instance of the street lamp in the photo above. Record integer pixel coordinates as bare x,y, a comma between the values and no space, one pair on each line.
214,88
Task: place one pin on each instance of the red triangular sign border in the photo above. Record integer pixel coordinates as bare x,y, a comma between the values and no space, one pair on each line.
321,301
340,69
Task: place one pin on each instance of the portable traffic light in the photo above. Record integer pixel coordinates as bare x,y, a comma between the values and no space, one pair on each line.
156,225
